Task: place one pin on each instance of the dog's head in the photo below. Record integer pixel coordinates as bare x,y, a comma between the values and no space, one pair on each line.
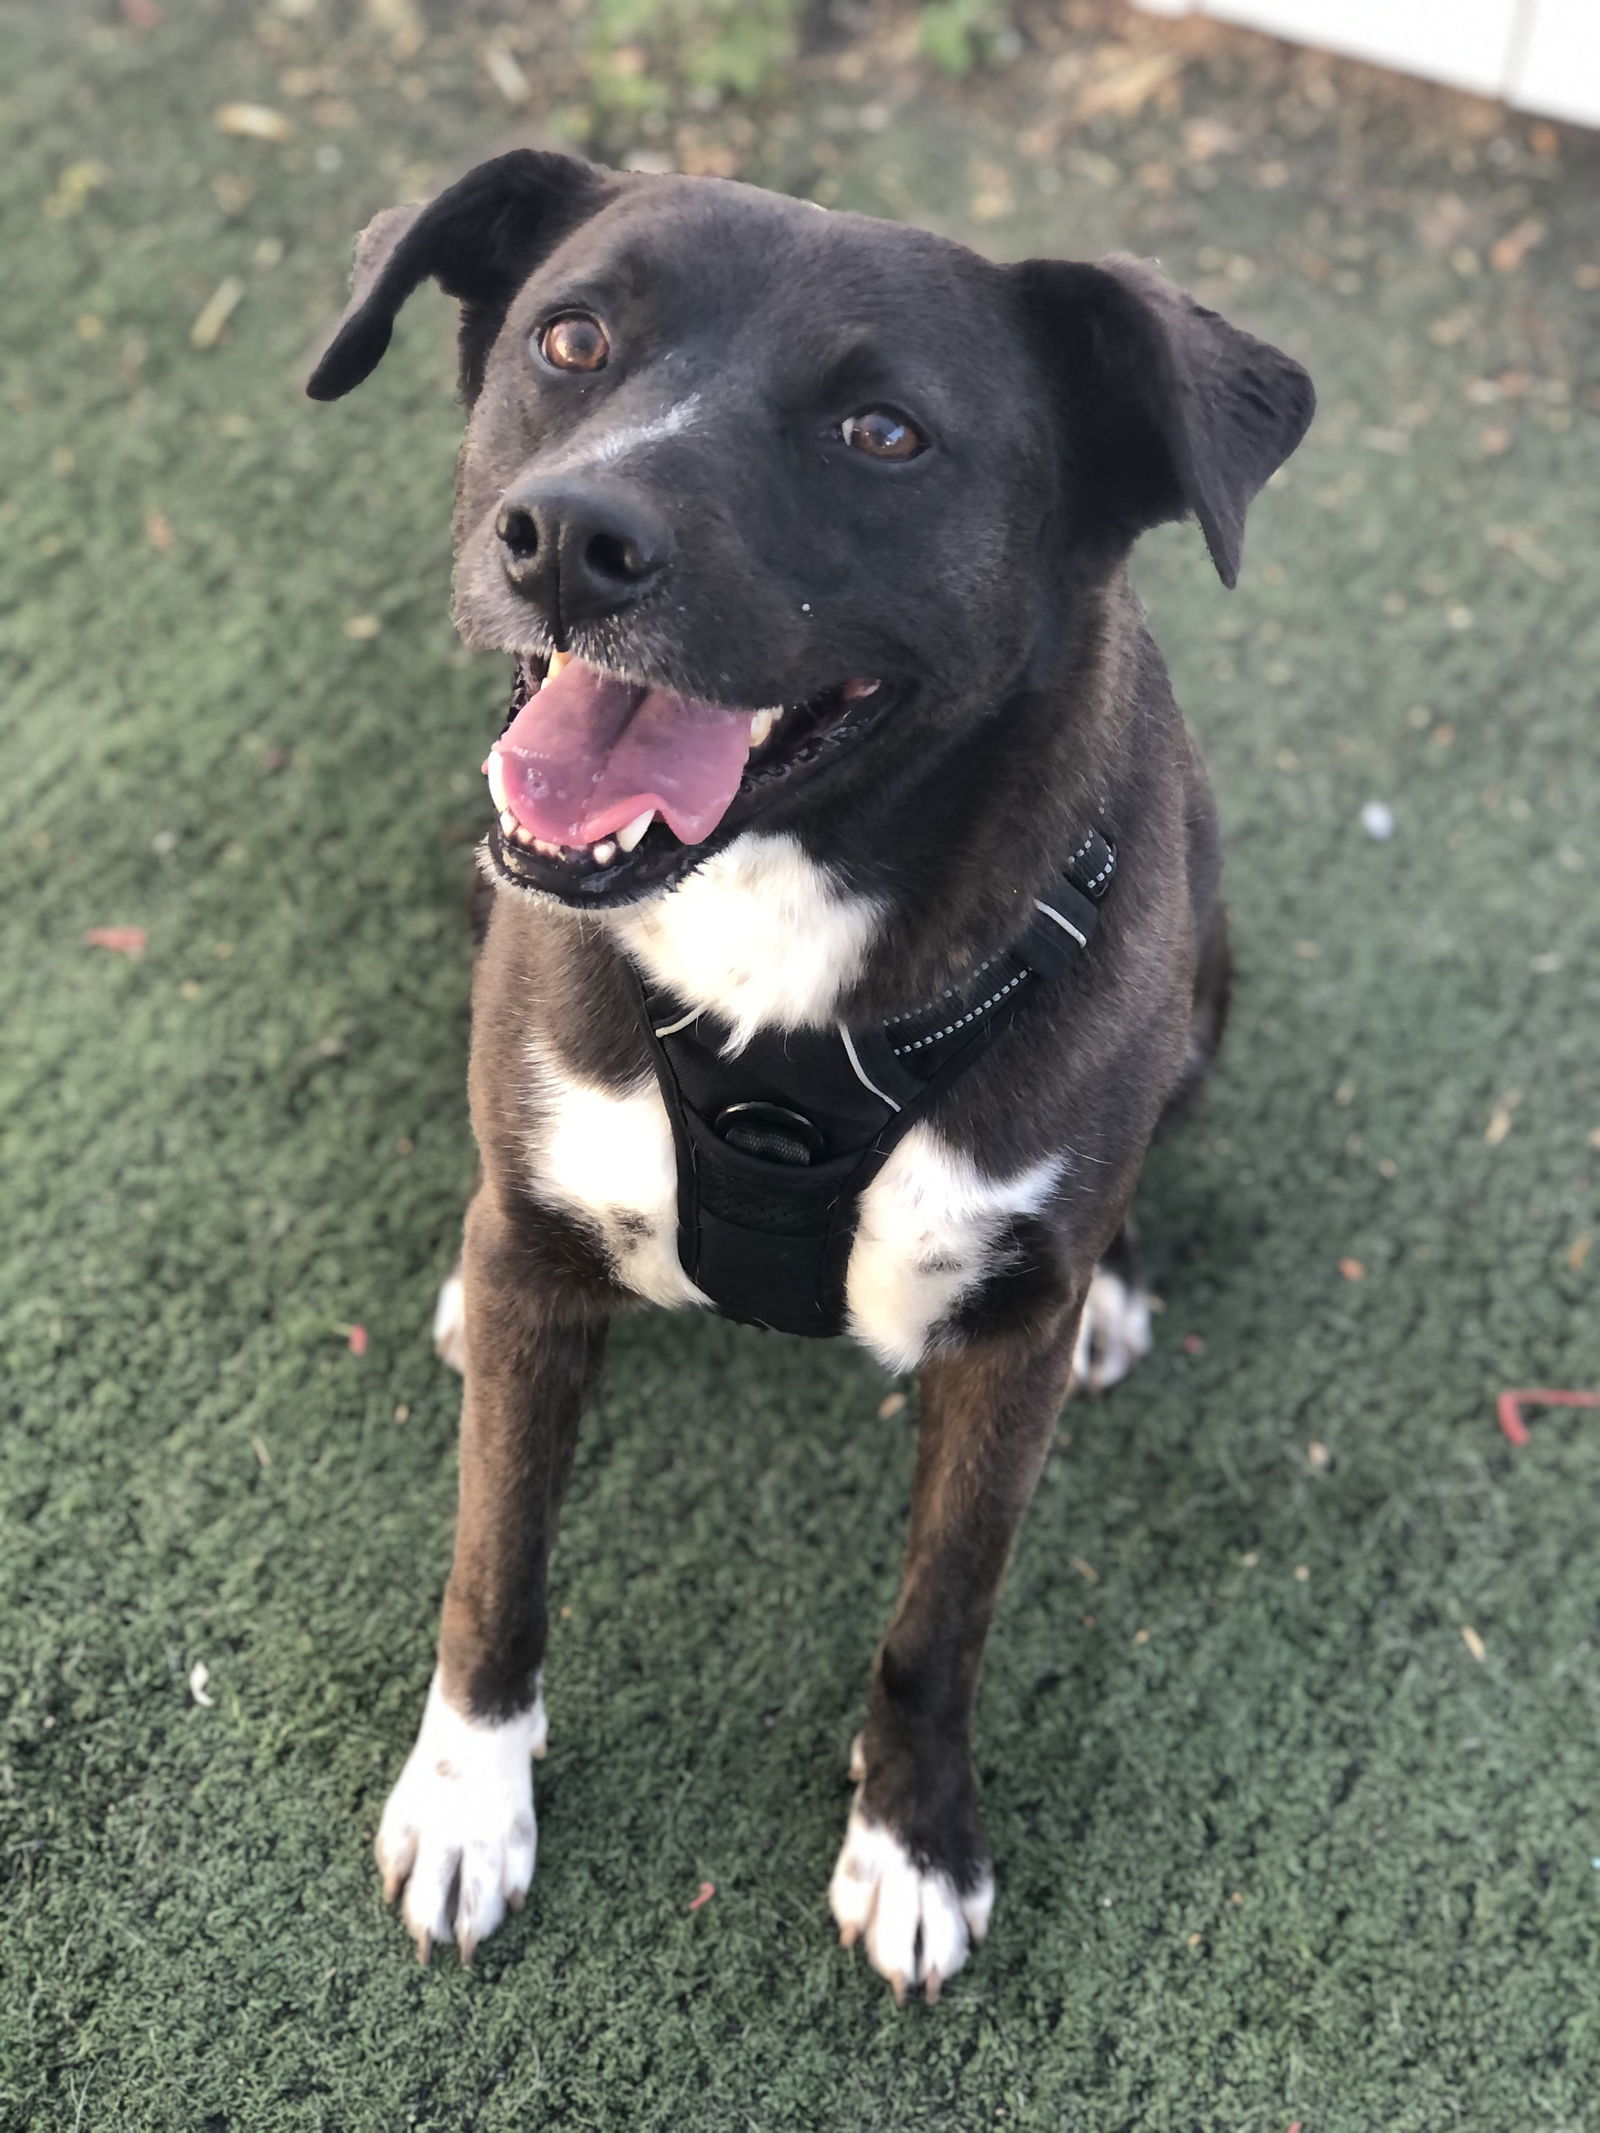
754,490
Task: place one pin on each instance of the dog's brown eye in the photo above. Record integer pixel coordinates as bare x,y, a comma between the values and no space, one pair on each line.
576,342
881,434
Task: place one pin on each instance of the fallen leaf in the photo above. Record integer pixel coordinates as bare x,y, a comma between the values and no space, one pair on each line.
399,17
252,122
1204,138
73,188
890,1405
1127,89
158,532
1499,1125
1507,253
1352,1270
1517,541
1473,1642
1098,169
1440,225
507,76
1578,1250
1086,1571
356,1340
362,627
121,940
215,313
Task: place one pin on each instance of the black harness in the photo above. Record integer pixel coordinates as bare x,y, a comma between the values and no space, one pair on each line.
776,1145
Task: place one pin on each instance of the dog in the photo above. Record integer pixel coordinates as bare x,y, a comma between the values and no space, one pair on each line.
853,893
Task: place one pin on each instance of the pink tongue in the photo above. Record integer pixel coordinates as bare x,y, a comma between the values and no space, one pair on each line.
588,753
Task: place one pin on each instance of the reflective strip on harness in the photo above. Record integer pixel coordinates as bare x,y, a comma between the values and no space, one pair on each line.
776,1145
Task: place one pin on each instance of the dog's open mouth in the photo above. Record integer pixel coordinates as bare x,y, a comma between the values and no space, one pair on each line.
607,787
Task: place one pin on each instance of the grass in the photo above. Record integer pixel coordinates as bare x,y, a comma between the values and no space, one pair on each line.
1274,1844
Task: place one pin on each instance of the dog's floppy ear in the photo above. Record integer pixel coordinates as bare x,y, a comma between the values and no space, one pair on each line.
1168,409
480,240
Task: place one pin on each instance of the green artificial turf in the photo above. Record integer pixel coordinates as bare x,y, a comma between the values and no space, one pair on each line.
1274,1843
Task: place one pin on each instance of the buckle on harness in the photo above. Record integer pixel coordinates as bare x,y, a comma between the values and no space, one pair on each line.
772,1132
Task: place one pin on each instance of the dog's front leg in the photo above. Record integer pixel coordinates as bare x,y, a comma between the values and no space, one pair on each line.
914,1876
458,1831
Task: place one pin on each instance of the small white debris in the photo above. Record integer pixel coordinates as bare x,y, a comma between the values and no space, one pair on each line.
199,1675
1377,821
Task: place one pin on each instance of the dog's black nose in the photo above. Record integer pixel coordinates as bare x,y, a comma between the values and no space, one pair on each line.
580,553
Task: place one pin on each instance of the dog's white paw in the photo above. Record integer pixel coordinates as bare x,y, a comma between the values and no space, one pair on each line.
916,1925
450,1322
1113,1333
458,1831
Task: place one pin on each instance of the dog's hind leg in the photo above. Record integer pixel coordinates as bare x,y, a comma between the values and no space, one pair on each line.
450,1321
1114,1331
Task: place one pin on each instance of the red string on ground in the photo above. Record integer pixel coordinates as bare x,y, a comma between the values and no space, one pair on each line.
1508,1408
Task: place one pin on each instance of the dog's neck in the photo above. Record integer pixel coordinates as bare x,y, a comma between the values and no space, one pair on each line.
881,903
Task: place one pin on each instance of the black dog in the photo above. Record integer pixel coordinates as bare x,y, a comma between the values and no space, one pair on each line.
855,891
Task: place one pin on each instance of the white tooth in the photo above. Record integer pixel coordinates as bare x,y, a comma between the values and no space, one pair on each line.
508,821
761,727
604,852
495,771
558,660
629,836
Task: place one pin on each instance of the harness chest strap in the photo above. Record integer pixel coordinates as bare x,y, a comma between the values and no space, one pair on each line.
776,1145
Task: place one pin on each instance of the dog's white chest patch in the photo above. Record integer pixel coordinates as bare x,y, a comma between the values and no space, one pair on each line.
608,1156
929,1227
761,935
